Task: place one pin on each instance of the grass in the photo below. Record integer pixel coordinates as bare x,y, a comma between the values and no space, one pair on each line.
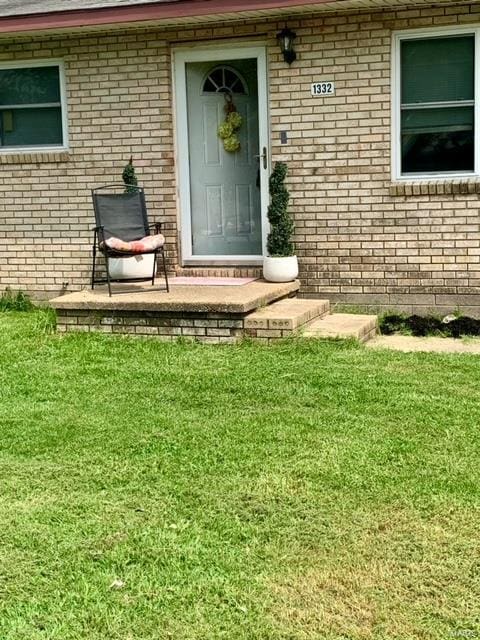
15,301
305,490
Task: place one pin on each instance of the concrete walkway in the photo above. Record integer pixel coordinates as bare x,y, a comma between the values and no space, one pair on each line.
434,345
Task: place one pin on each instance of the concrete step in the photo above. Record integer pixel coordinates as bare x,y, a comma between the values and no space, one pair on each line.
284,317
342,325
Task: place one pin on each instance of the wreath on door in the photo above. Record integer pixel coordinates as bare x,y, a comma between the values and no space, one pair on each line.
227,131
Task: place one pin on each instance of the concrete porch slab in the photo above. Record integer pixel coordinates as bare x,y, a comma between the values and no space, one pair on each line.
202,299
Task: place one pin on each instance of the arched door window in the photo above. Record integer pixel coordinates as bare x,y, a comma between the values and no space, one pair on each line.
224,79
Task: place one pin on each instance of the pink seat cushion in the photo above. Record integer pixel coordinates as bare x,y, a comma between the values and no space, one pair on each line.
148,243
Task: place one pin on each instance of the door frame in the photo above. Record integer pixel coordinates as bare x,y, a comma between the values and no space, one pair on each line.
182,56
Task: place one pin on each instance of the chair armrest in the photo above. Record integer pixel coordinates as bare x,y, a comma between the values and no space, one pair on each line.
100,227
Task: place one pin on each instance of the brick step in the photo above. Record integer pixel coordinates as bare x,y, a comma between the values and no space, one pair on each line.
342,325
282,318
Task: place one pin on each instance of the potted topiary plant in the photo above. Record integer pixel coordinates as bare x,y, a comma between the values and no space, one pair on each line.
140,266
281,264
129,177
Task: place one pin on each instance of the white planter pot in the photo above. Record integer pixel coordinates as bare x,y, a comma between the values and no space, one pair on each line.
280,269
132,267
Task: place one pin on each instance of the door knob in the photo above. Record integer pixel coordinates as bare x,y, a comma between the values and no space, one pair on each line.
264,156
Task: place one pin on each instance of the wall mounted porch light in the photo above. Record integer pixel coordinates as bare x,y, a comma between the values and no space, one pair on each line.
285,39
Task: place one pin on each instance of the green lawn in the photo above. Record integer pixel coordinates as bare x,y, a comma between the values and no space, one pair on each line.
304,490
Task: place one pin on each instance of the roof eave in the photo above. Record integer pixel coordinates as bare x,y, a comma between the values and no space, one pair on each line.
138,14
185,12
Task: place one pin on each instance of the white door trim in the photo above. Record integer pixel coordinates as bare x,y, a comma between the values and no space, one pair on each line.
181,57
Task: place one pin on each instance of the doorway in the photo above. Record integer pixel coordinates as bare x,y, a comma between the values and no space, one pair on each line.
223,188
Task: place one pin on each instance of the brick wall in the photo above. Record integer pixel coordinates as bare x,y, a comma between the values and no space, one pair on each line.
119,104
360,238
209,328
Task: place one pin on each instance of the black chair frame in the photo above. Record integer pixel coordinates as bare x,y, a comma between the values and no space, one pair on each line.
101,233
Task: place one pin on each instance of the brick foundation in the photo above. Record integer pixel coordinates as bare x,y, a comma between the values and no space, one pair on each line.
209,327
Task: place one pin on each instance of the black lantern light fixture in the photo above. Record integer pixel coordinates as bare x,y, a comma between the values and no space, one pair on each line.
285,39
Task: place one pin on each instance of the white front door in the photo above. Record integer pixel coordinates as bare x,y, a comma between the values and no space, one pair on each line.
222,192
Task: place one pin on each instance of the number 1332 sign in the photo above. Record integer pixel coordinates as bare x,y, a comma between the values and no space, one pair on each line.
323,89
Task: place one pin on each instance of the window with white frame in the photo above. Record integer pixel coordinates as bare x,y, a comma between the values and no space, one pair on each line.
436,118
32,106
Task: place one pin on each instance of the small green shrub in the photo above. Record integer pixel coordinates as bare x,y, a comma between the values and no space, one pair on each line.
391,323
464,326
425,326
15,301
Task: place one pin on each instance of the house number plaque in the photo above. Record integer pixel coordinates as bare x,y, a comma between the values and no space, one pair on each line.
323,89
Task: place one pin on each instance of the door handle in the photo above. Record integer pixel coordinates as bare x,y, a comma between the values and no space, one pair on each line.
264,156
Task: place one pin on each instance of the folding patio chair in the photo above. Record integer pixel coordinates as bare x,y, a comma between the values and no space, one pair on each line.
122,231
